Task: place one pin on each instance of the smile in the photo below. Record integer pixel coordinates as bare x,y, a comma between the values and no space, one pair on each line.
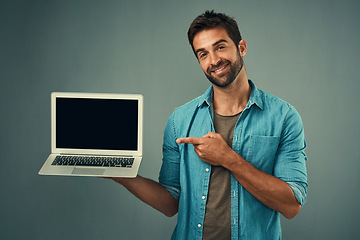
220,69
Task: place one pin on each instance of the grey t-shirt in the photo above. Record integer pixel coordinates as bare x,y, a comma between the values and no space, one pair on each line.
217,222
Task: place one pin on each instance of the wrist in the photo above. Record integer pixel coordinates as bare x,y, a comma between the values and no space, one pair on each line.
123,180
234,160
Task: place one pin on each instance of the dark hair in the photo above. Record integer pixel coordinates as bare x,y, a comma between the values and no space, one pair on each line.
210,20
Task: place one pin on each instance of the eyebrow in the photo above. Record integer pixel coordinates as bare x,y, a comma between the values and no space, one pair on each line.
214,44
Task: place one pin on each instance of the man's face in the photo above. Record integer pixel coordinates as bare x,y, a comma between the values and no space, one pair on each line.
218,56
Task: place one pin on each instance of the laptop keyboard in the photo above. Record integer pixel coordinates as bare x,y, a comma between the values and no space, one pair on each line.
94,161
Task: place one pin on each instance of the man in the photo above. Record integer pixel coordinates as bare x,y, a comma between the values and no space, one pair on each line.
233,158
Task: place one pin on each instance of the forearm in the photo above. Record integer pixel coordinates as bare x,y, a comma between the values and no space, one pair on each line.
271,191
152,193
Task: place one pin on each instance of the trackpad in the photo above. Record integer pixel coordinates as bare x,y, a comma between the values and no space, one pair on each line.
88,171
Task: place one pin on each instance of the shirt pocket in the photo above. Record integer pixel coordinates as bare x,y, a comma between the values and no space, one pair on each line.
262,151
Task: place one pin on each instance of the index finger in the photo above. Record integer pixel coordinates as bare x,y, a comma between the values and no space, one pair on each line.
190,140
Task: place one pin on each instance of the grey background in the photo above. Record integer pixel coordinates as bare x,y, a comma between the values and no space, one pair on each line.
305,52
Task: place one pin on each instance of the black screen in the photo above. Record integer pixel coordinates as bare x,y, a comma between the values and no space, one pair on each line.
109,124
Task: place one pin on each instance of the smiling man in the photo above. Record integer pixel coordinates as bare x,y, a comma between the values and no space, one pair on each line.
217,67
233,158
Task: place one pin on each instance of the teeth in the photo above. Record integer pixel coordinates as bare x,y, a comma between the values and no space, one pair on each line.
217,70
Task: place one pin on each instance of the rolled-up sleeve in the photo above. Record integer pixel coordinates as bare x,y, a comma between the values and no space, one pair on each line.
169,176
290,161
300,191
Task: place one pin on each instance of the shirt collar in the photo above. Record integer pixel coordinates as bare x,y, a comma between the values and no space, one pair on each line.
255,97
207,97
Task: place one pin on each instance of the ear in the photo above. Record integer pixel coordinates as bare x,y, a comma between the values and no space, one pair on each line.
242,47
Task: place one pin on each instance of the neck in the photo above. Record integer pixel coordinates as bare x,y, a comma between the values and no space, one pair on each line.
232,99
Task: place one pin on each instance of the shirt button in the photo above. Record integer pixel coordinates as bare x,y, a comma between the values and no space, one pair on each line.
199,225
207,169
203,197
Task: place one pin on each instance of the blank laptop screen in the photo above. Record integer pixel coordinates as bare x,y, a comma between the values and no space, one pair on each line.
109,124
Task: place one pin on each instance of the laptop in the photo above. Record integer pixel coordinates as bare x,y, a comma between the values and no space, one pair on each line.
95,134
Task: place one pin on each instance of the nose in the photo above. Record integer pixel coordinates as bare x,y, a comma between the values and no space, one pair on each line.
214,59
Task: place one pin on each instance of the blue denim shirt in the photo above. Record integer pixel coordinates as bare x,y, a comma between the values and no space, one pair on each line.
269,134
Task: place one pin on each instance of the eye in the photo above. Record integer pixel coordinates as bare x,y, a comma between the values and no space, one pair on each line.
202,55
220,47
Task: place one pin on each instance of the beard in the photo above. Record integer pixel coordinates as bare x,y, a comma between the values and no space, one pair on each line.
225,79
